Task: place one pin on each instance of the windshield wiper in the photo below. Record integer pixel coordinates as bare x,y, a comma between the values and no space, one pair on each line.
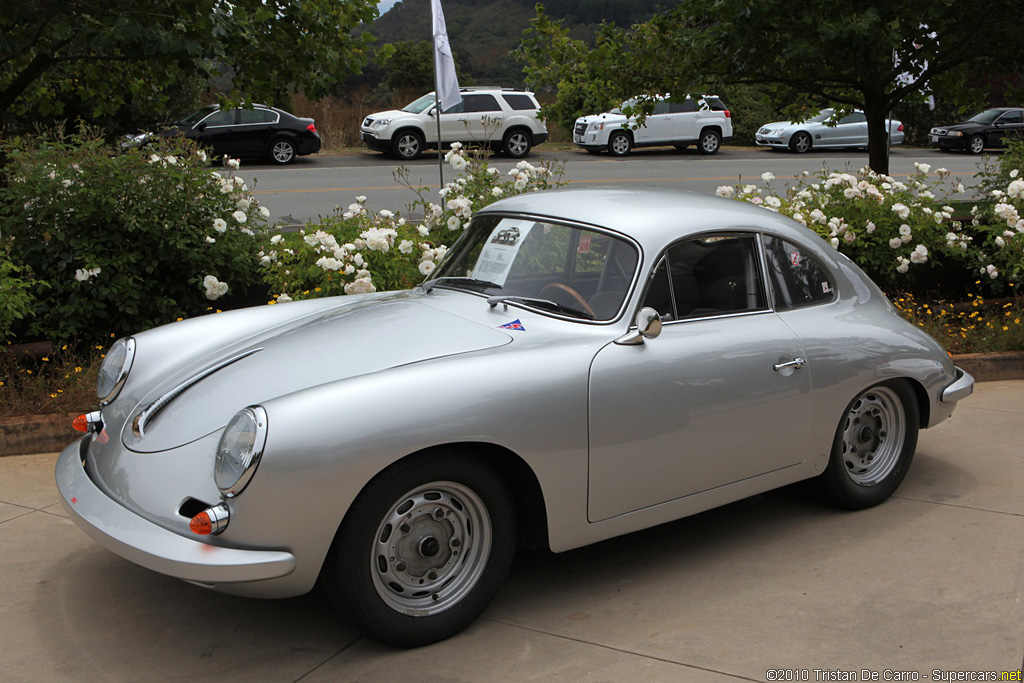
430,284
539,303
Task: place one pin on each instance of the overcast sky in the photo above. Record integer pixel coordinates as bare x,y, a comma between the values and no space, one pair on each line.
384,6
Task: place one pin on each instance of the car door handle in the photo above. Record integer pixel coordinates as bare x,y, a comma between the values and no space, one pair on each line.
796,363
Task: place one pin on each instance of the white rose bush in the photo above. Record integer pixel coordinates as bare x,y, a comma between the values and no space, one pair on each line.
896,230
123,242
359,250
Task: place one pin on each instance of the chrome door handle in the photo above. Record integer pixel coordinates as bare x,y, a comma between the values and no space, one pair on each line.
795,363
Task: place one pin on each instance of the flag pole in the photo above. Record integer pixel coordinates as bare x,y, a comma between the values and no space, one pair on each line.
446,82
437,117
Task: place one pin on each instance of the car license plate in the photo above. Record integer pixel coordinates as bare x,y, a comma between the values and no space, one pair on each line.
935,138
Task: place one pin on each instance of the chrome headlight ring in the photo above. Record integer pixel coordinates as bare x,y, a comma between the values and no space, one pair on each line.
239,450
114,370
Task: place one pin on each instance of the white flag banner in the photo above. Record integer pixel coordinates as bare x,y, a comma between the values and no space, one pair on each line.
444,63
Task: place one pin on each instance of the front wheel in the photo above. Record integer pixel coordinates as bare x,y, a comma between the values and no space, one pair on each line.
873,447
619,143
282,151
407,145
710,142
800,143
976,145
423,549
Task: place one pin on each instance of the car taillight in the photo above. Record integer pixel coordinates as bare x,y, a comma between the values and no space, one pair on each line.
900,129
727,114
311,128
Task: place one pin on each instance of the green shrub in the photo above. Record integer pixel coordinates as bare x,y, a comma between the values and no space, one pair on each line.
15,293
123,241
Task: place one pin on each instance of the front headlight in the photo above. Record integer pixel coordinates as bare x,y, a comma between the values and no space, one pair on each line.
380,123
239,451
114,370
595,126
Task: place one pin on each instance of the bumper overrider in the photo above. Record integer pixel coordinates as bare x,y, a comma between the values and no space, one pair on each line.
147,544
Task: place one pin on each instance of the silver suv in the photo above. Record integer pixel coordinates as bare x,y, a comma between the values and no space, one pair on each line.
704,121
502,118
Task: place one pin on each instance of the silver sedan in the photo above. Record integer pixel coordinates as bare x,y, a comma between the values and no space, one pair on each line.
823,131
582,364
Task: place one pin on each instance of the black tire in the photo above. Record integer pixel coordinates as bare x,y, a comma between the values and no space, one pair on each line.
710,141
873,448
801,142
620,143
407,145
976,144
423,549
282,151
517,143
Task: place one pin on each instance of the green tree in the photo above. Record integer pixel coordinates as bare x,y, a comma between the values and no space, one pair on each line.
409,67
110,52
867,54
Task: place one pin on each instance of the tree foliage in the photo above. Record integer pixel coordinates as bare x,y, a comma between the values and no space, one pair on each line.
867,54
106,53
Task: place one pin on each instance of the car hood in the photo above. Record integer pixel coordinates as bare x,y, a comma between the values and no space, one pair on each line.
198,396
389,114
965,125
607,117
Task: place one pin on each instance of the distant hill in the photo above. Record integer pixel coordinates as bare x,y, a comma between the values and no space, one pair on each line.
483,32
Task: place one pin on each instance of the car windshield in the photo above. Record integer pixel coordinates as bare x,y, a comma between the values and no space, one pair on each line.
197,116
987,116
553,268
416,106
823,115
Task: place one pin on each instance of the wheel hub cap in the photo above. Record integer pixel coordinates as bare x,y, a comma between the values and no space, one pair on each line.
873,436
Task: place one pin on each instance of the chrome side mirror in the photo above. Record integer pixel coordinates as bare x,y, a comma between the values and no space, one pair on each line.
648,326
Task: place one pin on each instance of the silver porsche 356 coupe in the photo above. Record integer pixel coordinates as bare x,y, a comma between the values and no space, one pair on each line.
582,364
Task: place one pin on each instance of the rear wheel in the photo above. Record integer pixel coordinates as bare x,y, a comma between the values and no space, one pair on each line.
873,448
282,151
619,143
710,141
423,549
800,143
516,144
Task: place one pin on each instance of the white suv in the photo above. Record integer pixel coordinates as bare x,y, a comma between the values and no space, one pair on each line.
704,122
503,118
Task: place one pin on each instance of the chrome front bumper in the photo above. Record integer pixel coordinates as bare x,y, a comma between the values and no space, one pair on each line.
136,539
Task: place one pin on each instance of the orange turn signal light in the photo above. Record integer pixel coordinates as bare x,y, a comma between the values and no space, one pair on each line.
212,520
201,524
80,423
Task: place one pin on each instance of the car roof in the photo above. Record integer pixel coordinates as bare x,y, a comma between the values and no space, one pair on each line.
653,217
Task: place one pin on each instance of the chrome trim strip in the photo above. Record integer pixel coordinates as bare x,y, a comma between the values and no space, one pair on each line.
154,408
126,367
259,415
961,388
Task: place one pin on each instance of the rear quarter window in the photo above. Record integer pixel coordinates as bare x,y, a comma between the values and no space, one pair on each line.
520,102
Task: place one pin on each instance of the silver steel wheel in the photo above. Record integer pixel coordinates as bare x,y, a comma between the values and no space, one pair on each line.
873,435
431,548
282,151
619,145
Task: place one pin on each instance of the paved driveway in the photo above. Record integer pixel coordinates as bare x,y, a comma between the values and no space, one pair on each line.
931,580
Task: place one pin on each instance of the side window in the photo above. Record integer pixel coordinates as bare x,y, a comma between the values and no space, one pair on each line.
797,279
708,275
1011,117
480,103
220,118
257,116
520,102
855,117
660,107
456,108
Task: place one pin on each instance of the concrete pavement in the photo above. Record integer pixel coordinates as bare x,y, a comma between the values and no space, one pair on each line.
931,580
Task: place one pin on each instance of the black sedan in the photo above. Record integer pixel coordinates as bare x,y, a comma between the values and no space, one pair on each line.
990,128
258,132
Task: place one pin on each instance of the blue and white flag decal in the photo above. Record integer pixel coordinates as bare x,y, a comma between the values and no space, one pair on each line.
514,325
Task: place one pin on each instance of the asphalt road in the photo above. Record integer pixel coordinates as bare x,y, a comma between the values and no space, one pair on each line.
313,186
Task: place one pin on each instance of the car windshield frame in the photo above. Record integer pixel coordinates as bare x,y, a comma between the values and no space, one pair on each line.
537,262
420,104
198,115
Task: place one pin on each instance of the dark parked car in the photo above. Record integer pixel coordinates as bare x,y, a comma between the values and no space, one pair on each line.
990,128
258,132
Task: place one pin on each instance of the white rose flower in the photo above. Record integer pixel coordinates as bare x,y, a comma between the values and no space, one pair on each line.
220,225
767,176
895,243
405,246
243,204
277,239
920,254
283,298
239,216
923,168
384,213
453,223
901,210
210,240
458,162
726,191
427,267
903,264
1014,173
264,212
232,163
497,191
361,199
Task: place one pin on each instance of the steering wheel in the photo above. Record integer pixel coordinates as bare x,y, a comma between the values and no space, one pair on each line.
572,293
